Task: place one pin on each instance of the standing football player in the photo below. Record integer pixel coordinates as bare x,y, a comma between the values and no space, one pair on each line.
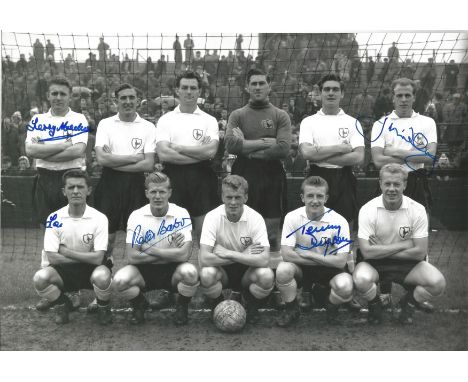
260,135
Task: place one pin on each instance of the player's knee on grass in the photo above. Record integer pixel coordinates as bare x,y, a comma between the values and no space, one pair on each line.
285,272
101,277
341,289
208,276
122,280
50,293
188,273
41,279
363,278
264,278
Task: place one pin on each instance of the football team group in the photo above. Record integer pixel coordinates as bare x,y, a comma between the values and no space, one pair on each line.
244,243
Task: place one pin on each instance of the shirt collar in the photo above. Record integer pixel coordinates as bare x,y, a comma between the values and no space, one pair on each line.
88,214
404,203
197,110
170,211
49,114
243,218
138,119
340,112
323,218
393,115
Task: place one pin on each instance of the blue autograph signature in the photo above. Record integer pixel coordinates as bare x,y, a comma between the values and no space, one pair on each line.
53,222
162,230
324,241
52,129
417,140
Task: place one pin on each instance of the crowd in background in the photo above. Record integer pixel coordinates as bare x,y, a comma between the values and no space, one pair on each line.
294,65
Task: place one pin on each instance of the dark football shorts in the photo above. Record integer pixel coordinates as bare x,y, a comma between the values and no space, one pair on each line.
75,276
390,270
234,273
267,185
342,185
417,188
317,274
118,194
194,187
158,276
48,195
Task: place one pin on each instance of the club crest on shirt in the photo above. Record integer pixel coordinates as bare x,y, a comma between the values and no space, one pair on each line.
246,241
170,239
197,134
343,132
404,231
267,124
136,143
88,238
419,141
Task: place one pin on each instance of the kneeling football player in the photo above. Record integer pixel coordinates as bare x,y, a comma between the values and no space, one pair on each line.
234,250
314,246
393,242
158,247
75,243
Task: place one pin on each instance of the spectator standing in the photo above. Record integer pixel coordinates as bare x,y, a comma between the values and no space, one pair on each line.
102,48
383,104
50,49
393,52
10,140
407,69
428,76
38,52
239,41
188,46
370,70
177,53
451,76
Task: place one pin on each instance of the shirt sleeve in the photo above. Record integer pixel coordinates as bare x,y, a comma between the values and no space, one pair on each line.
259,232
305,131
283,138
233,144
29,131
287,237
150,141
102,138
366,228
81,138
131,226
377,135
208,235
431,131
187,229
52,238
356,132
102,234
212,129
163,130
420,226
344,233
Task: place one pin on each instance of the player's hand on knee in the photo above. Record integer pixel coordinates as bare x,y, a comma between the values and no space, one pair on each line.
254,249
178,239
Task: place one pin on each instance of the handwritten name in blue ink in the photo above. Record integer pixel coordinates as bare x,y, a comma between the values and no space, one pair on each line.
417,140
323,242
163,229
326,242
52,129
53,222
